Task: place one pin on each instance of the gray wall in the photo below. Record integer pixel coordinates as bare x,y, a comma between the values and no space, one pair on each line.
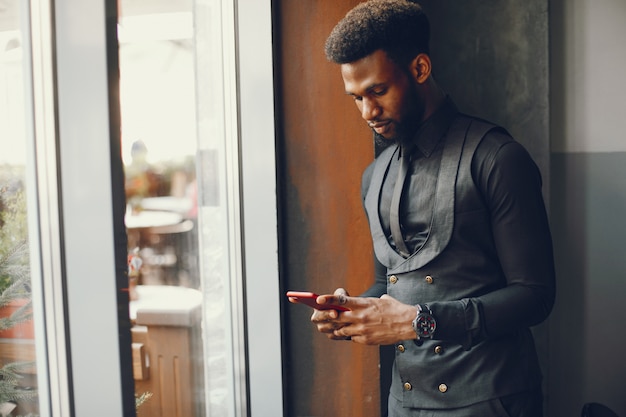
553,75
492,57
587,341
588,166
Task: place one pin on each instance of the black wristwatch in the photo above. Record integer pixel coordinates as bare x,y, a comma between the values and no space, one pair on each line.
424,324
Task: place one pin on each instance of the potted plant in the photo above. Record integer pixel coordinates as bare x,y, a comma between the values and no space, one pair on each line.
15,300
15,295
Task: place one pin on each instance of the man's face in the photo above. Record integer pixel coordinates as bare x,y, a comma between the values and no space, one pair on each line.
385,94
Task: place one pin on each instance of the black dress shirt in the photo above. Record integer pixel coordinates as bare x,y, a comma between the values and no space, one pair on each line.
510,184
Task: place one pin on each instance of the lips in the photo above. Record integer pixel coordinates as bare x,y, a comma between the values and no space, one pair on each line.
379,127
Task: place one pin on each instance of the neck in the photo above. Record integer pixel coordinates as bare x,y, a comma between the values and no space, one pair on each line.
433,97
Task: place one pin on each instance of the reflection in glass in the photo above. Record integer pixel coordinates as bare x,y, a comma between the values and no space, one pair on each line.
180,220
18,372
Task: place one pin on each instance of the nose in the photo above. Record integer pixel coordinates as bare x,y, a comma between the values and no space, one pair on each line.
370,109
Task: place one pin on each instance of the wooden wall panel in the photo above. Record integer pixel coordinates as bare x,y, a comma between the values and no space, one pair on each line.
324,146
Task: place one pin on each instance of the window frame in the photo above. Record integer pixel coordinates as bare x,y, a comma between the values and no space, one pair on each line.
76,194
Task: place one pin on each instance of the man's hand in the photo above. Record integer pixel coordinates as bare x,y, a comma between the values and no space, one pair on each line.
370,321
326,320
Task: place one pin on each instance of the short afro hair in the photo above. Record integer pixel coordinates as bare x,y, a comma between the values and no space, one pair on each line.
399,27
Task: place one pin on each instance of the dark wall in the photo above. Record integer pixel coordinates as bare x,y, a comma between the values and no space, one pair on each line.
490,56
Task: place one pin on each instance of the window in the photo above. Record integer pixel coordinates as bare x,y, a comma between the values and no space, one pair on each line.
195,98
18,275
183,146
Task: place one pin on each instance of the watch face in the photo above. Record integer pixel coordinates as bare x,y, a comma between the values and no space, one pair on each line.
425,325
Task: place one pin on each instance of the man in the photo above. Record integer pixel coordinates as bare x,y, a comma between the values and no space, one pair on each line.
464,263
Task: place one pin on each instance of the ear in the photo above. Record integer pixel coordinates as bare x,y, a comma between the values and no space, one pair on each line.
421,68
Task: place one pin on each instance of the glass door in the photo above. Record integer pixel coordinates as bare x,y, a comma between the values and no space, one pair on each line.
193,182
200,258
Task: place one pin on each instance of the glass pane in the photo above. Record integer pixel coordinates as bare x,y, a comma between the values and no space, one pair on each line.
18,371
181,218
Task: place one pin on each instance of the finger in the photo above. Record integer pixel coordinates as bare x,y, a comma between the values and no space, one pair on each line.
340,291
333,336
345,301
335,299
338,335
387,297
327,328
320,316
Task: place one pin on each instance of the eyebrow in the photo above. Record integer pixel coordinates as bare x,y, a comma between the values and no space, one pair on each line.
368,89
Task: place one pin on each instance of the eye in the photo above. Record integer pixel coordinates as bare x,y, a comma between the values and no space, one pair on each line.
357,98
379,92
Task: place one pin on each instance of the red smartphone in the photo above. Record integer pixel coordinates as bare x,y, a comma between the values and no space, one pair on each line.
308,298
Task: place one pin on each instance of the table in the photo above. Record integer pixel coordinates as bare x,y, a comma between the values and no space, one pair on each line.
180,205
166,305
149,218
146,219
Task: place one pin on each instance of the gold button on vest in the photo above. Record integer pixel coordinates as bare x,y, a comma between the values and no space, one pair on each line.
438,350
393,279
408,386
443,387
401,348
429,279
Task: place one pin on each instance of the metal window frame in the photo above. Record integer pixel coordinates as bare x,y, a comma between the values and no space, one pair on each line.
258,159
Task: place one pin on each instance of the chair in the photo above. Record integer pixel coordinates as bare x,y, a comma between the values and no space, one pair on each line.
597,410
171,249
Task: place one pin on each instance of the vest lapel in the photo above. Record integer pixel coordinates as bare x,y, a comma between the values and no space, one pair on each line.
442,222
384,252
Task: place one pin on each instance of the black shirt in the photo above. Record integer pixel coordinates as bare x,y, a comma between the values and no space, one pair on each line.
510,184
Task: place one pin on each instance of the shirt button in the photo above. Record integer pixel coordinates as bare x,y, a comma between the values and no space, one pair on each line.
443,387
438,350
428,279
408,386
393,279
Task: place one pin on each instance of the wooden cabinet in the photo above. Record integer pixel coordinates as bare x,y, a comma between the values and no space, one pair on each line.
167,350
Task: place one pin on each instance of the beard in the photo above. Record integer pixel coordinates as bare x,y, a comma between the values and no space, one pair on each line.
381,143
407,123
402,137
381,140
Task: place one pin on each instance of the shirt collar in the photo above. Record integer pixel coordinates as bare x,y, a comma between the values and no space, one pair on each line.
434,128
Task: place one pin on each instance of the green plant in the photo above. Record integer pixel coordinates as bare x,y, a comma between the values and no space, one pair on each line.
14,285
15,271
10,376
13,236
142,398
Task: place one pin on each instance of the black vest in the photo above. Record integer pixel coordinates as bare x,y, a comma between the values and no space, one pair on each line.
457,261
